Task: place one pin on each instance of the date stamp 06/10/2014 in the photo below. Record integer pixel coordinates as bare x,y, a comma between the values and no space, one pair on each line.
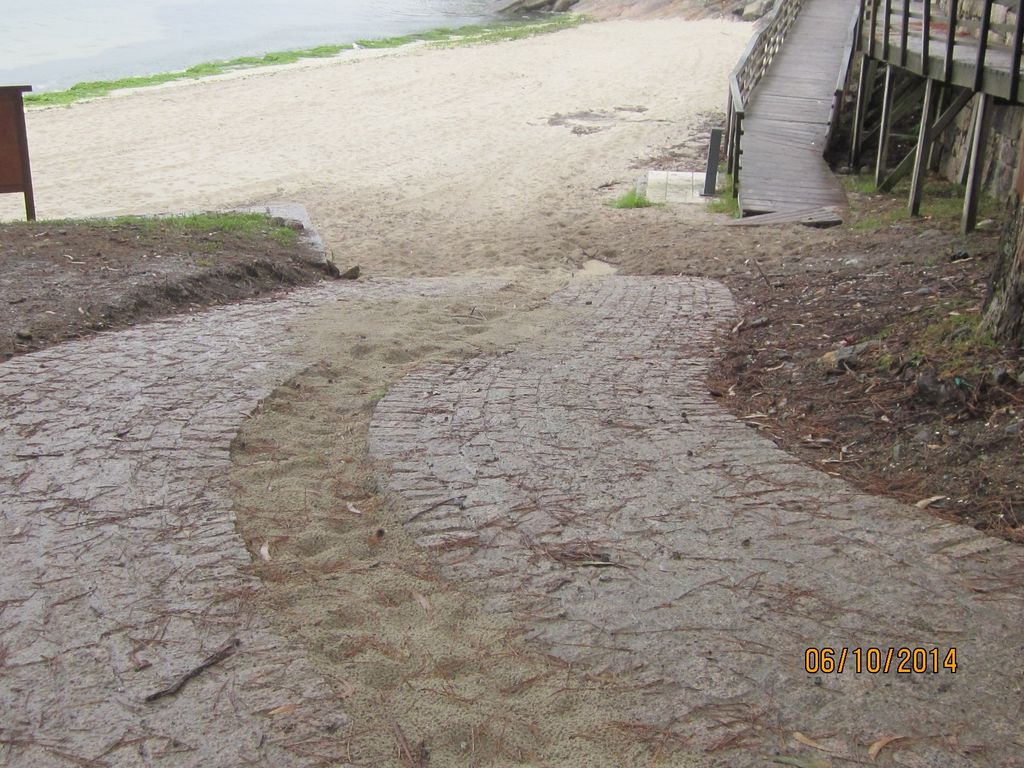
874,660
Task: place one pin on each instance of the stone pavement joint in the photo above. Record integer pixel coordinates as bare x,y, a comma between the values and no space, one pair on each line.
592,484
122,565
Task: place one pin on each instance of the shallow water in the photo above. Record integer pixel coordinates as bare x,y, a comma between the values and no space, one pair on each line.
52,44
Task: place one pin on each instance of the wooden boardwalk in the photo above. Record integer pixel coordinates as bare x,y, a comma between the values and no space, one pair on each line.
787,118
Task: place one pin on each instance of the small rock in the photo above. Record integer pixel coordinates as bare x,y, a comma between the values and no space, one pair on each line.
758,322
844,358
953,432
23,334
931,388
923,435
1000,375
851,262
1012,429
352,273
924,291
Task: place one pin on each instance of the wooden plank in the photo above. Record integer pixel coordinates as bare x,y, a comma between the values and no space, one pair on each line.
813,217
786,122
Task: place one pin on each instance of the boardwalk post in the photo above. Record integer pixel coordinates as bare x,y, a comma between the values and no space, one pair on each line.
981,120
883,128
865,90
924,141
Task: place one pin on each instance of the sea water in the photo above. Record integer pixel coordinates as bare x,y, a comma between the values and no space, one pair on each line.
53,44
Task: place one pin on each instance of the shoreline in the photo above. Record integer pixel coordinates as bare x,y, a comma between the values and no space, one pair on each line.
470,34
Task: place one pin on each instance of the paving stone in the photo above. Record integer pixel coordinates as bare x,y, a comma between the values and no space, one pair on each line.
122,566
592,485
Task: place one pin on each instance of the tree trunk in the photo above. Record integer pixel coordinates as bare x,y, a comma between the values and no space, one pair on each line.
1004,309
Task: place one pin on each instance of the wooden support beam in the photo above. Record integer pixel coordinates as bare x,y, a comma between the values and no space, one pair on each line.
897,173
965,162
961,100
970,217
907,101
885,124
935,153
865,90
942,123
924,145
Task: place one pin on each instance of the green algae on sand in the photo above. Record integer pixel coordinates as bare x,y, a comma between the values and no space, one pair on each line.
472,34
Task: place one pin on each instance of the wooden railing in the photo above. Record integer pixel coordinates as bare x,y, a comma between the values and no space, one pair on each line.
839,94
939,40
752,66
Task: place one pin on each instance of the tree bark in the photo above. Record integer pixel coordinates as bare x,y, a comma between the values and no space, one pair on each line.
1004,308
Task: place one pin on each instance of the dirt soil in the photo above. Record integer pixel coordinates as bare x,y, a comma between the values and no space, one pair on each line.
66,279
928,410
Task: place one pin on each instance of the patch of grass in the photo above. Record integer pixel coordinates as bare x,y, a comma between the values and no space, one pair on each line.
951,343
632,199
726,202
250,225
471,34
941,203
862,184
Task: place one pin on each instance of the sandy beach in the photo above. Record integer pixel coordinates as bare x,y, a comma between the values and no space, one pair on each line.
417,161
487,504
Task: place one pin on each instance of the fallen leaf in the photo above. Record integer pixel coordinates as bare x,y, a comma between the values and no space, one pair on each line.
811,742
925,503
284,709
265,551
423,601
881,744
352,508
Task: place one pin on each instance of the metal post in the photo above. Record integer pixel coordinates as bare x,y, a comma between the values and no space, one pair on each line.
714,151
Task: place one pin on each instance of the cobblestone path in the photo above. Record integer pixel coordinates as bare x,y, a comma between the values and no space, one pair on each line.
591,484
122,569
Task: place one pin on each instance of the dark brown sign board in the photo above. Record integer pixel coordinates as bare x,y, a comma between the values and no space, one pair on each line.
15,174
